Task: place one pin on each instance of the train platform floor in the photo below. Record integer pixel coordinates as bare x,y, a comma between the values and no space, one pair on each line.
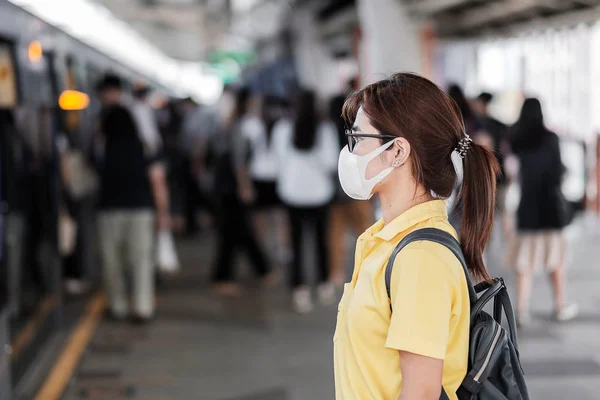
202,346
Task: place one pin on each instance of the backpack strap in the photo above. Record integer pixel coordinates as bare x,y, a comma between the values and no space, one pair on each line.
437,236
446,240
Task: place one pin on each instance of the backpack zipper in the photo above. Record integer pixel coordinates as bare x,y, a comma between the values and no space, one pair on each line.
489,354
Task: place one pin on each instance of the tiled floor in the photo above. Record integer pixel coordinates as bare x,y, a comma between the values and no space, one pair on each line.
253,348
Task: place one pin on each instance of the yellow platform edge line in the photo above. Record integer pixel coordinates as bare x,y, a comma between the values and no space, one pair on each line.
26,334
56,383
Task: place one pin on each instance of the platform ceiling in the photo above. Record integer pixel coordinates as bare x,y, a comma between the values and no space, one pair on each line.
190,29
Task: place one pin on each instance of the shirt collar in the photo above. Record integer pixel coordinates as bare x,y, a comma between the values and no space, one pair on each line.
408,219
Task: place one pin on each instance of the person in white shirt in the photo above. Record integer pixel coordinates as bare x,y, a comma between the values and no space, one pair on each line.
307,153
259,167
257,133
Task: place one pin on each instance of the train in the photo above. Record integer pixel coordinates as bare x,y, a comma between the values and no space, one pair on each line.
38,62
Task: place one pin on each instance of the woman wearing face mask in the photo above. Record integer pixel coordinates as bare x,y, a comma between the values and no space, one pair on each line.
406,133
307,151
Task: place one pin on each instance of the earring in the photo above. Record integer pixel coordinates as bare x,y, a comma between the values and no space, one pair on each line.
396,164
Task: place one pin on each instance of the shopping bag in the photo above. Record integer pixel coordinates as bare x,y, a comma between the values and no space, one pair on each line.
83,180
166,254
67,234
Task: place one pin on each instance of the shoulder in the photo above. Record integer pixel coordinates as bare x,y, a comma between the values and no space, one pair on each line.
430,261
552,141
553,138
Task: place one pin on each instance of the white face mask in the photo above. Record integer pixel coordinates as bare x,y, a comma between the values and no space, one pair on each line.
352,170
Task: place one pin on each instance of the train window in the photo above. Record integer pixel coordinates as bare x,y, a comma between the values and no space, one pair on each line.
72,118
73,81
93,76
8,80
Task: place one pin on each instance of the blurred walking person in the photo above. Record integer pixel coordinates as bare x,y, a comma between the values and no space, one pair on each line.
307,150
169,128
199,125
233,198
133,197
543,211
257,167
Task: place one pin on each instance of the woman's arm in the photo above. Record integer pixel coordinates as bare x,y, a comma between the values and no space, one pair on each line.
425,293
421,377
160,192
241,149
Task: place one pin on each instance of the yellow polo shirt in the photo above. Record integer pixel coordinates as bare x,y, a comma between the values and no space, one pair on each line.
430,309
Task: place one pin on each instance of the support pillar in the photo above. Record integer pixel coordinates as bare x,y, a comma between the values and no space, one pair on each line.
315,66
390,40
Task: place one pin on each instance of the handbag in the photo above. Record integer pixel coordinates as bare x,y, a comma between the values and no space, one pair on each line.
67,233
166,254
83,180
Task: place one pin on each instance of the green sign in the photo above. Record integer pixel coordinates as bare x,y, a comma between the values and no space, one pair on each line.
241,57
228,64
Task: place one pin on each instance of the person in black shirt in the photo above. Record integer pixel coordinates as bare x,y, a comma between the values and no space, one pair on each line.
543,211
133,196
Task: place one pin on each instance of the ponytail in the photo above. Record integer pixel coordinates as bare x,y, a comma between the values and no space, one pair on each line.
478,195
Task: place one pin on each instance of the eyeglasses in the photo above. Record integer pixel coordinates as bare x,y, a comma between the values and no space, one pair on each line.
354,138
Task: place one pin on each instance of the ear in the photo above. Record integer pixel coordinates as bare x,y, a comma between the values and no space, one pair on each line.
401,149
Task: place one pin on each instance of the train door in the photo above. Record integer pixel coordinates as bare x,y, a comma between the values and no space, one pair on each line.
78,126
36,281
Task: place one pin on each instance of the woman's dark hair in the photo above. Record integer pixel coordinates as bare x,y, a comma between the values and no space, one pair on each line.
529,131
410,106
242,100
306,121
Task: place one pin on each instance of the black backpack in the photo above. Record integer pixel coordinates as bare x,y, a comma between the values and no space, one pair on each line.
494,371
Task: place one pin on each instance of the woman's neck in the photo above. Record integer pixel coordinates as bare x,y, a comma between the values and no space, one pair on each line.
395,202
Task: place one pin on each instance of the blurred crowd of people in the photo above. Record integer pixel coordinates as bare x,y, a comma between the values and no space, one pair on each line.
261,170
264,168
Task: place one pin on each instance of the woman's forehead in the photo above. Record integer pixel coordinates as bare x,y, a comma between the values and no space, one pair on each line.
363,123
